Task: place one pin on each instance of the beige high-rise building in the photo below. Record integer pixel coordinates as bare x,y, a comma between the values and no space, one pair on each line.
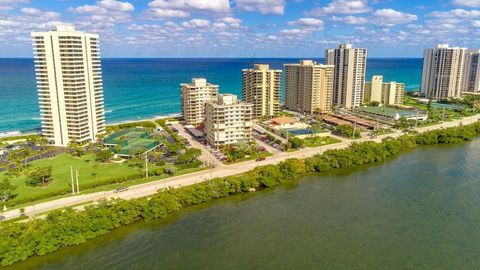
442,72
308,87
69,83
349,79
261,87
471,72
228,120
385,93
194,97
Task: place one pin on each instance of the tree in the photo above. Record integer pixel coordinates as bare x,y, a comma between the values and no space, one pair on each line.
6,190
171,170
104,155
39,176
346,131
295,143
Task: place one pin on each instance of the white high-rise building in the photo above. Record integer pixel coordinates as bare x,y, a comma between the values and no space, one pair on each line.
442,74
69,83
228,120
308,87
471,72
261,87
349,79
194,97
385,93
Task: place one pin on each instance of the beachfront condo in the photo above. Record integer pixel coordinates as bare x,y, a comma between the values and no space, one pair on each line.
349,76
69,83
385,93
261,87
228,120
194,97
442,72
471,73
308,87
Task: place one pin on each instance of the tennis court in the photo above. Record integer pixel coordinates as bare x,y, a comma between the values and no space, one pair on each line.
131,141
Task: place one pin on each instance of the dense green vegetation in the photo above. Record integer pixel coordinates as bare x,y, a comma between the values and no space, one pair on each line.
347,131
18,241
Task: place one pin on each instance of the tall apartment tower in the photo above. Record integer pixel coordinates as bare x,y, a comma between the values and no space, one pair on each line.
308,87
69,83
261,87
385,93
194,97
471,72
228,120
349,79
442,72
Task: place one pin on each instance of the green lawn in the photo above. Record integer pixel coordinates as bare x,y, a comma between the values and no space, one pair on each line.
319,141
251,157
61,175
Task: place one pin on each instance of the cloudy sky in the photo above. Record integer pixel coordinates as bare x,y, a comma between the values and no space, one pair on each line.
240,28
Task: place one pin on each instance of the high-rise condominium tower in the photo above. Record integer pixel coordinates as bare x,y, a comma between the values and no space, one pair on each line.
349,79
308,87
471,73
442,72
194,97
386,93
261,87
228,120
69,83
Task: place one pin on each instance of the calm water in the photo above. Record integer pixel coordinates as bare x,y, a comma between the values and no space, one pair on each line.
419,211
141,88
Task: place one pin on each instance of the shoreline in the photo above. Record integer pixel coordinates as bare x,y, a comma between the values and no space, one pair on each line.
147,189
160,205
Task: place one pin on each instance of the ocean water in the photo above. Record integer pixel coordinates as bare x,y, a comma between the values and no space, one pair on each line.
420,210
143,88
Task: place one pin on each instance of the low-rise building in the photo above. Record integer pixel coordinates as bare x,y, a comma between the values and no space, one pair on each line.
385,93
194,97
228,120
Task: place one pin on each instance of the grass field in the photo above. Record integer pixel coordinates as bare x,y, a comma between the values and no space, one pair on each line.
61,175
319,141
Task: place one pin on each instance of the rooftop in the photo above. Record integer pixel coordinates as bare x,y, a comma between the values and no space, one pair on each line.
283,120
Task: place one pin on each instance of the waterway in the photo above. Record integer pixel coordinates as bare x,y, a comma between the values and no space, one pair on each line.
420,210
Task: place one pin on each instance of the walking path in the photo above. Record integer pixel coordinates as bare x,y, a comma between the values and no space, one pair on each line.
220,171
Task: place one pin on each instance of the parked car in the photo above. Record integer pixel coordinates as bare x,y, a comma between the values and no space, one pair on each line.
2,218
120,189
260,159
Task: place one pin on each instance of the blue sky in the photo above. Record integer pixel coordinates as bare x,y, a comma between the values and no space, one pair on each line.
240,28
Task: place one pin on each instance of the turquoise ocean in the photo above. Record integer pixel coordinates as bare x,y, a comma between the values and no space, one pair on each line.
143,88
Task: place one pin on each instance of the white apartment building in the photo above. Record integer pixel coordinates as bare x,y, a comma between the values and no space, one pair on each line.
261,87
385,93
349,79
194,97
442,72
471,73
228,120
309,87
69,82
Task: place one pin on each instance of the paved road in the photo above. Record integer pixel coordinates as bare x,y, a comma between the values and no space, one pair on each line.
221,171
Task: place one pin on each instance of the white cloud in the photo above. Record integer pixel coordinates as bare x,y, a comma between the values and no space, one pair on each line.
111,11
116,5
385,17
343,7
262,6
308,22
196,23
159,9
39,13
455,13
467,3
392,17
11,4
476,23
